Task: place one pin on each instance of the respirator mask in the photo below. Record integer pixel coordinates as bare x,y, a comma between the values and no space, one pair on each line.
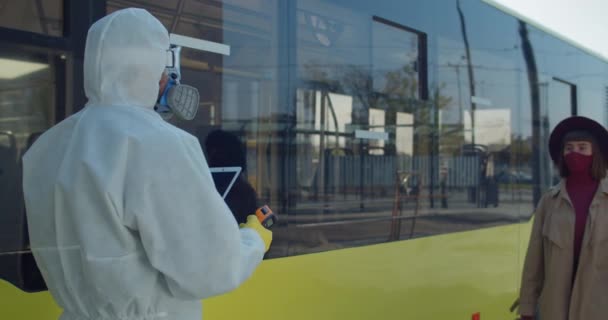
177,99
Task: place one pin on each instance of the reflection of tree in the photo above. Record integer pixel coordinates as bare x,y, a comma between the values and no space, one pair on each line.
400,90
402,83
400,93
358,82
523,148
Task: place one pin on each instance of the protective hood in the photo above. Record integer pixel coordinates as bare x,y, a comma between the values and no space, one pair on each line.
125,55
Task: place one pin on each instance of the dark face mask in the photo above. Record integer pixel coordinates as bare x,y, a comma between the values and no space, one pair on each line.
578,163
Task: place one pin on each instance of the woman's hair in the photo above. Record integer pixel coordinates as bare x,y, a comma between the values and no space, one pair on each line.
225,149
598,165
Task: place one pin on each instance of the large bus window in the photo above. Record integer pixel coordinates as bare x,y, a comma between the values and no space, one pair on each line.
358,127
26,110
399,135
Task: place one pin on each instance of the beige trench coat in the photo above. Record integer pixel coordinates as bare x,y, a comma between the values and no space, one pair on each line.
547,275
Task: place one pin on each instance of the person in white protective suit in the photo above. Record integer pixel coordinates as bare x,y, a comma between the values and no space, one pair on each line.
125,221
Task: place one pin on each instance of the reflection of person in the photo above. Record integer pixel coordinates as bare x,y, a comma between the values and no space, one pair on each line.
124,219
566,265
226,150
443,185
491,185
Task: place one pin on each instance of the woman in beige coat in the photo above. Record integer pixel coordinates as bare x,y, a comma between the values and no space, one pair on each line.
565,274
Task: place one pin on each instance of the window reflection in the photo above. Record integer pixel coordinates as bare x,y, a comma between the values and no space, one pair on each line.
359,129
26,101
356,120
45,17
27,95
395,59
452,161
555,104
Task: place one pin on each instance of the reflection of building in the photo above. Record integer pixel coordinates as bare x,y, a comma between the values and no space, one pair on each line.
492,127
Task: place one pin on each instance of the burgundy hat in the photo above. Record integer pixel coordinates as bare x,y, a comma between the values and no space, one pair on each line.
576,123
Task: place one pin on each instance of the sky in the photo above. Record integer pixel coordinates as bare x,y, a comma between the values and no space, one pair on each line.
584,22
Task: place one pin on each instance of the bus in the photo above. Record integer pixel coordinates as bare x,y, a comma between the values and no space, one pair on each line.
403,143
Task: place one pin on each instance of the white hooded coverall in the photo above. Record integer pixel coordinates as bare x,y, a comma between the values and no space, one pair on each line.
124,218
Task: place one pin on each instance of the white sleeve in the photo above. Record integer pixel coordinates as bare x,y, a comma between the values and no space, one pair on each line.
188,232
